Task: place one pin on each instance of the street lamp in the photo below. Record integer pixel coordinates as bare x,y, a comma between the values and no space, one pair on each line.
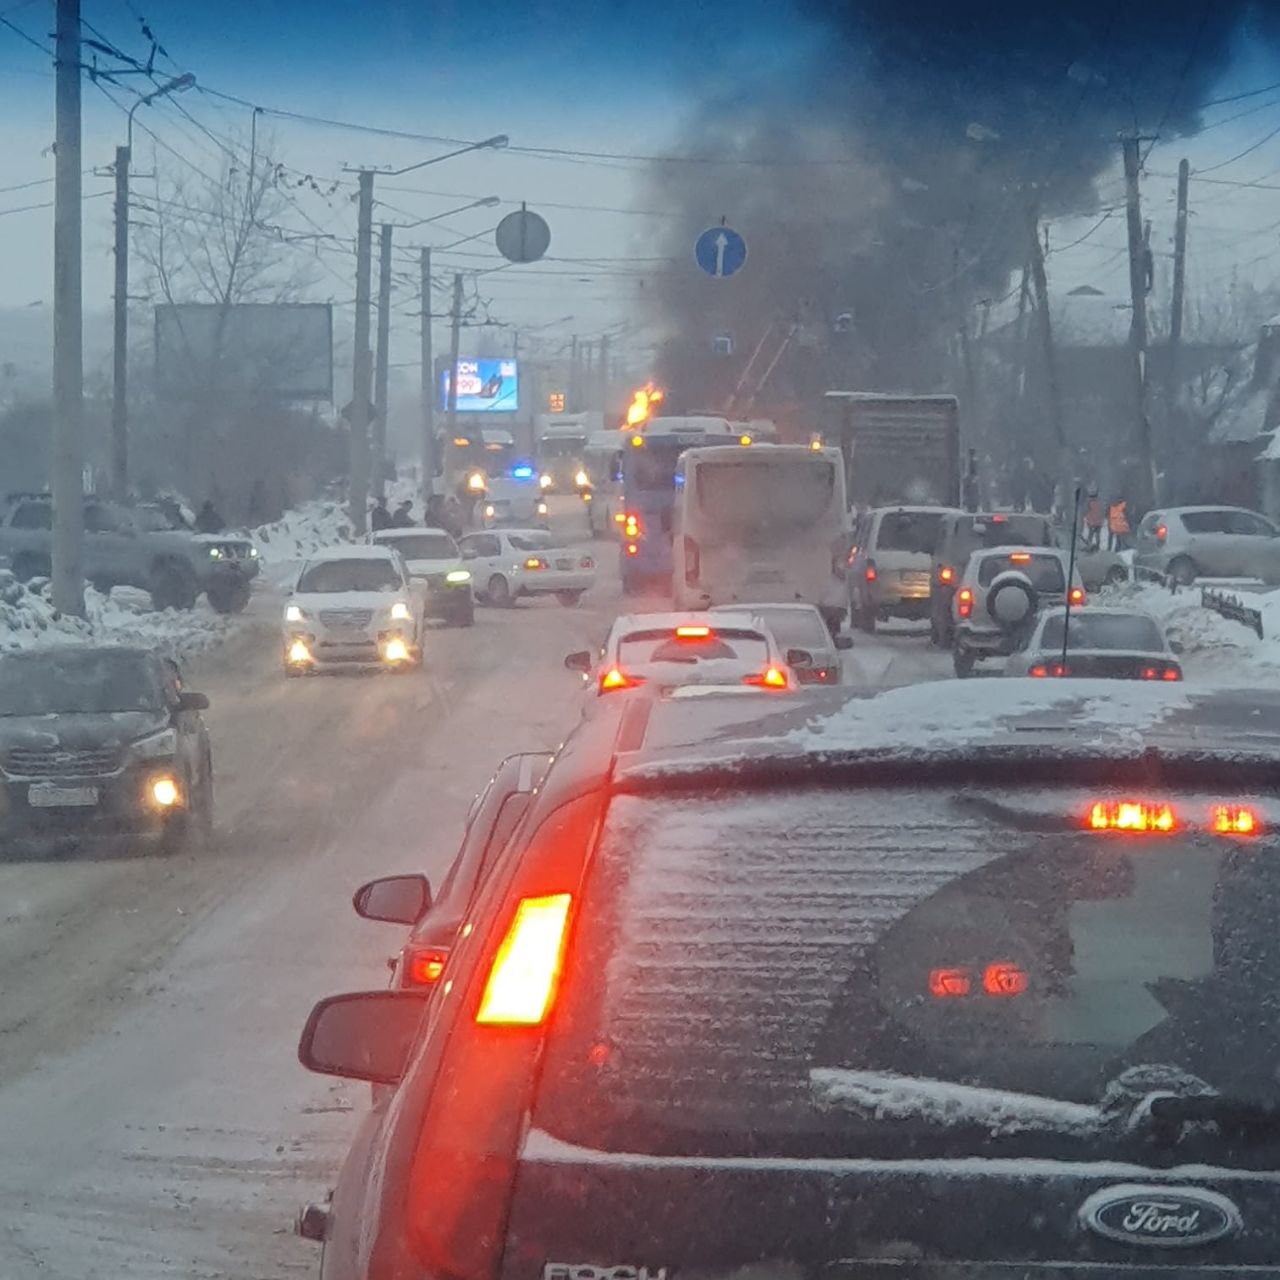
487,203
496,143
120,355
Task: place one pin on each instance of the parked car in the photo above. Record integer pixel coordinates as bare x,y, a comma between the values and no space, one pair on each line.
960,536
513,564
1187,543
102,741
799,627
669,650
1113,644
435,565
353,607
998,596
748,996
173,565
891,563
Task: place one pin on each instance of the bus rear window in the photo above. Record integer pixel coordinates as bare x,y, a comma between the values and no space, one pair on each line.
757,493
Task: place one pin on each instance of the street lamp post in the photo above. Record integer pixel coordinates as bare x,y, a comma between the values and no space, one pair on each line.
120,354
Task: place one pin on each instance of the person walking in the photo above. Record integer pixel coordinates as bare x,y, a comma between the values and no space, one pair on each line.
403,516
1093,520
380,517
208,520
1117,525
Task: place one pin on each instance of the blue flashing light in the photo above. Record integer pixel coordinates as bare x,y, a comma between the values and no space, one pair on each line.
522,473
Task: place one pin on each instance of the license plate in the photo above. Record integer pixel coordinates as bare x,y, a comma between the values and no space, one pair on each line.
46,796
564,564
765,575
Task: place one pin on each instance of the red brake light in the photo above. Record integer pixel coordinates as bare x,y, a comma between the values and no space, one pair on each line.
948,983
946,574
1172,674
632,549
1131,815
999,519
631,525
1162,532
1004,978
870,572
769,678
1039,672
615,679
522,981
693,633
1020,557
964,602
1057,669
1236,820
423,966
1076,595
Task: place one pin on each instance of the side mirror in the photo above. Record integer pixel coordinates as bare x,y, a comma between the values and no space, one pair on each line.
844,642
394,899
193,701
579,661
799,658
364,1035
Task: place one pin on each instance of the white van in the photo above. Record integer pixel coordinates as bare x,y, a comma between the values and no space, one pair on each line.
760,523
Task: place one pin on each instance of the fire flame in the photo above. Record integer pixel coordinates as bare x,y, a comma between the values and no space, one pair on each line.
640,410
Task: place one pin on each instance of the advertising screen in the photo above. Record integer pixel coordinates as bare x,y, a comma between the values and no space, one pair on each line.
484,386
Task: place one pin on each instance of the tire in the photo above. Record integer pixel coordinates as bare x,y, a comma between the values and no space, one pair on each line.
229,597
1012,583
499,592
569,599
173,586
1183,571
963,661
30,565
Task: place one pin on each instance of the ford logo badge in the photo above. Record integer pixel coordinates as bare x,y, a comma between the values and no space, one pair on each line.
1166,1217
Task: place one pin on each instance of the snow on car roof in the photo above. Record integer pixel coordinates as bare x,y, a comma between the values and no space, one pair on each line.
387,535
364,552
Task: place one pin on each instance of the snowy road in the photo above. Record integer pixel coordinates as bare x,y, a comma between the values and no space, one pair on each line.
153,1119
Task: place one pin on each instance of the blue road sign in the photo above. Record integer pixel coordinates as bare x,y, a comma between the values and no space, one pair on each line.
720,251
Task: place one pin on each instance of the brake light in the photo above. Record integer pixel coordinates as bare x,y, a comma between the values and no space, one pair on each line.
999,519
632,549
1020,557
1162,532
535,562
1004,978
1131,815
769,678
946,574
522,981
964,602
1172,674
1235,820
631,526
871,574
1076,595
615,679
693,633
1057,669
422,966
947,983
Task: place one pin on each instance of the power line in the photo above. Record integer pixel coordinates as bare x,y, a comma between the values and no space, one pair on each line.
1241,155
48,204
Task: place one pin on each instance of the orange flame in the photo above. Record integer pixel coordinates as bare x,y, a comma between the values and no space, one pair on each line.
642,403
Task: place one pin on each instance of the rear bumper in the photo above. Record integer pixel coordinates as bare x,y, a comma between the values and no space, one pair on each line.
996,644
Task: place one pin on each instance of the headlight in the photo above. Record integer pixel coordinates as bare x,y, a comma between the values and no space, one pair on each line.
215,553
400,612
475,482
253,553
293,613
458,575
582,479
164,743
544,481
542,509
489,512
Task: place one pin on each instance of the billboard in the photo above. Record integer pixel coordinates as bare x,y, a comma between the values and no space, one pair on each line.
280,349
484,386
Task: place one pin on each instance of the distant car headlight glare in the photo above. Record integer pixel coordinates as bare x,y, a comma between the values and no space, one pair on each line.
215,553
253,553
400,612
164,743
544,481
458,575
293,613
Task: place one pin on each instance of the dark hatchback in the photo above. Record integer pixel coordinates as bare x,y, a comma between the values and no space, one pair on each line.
796,997
102,741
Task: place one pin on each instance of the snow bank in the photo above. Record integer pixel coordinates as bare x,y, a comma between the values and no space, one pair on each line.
28,620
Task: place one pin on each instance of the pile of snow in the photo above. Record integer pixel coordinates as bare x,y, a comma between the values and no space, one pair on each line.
28,620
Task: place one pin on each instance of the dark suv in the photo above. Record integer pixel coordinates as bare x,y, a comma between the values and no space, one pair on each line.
779,998
102,741
960,536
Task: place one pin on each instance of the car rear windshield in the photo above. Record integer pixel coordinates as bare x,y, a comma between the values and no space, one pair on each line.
797,627
1130,631
643,648
77,681
535,541
339,576
842,972
1045,571
1011,531
914,531
425,546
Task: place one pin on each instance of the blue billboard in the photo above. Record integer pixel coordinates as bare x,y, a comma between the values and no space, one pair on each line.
484,386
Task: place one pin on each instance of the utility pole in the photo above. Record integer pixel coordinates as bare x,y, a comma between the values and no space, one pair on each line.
120,353
358,489
1138,283
428,389
588,385
1179,276
380,376
1044,325
603,372
573,374
67,453
455,318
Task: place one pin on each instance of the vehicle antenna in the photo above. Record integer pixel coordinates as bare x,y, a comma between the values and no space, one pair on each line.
1071,573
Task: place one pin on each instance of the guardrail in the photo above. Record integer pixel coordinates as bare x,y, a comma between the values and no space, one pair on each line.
1233,608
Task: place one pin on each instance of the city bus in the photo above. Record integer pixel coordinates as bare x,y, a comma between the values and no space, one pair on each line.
602,461
650,456
561,455
763,524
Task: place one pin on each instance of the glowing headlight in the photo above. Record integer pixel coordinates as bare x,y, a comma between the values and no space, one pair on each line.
253,553
542,509
298,652
400,612
475,482
164,791
215,553
489,512
582,479
164,743
458,575
544,481
395,650
293,613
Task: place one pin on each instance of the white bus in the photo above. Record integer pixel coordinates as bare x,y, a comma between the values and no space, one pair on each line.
603,462
764,523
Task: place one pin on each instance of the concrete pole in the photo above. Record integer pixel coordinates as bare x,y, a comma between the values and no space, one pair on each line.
358,490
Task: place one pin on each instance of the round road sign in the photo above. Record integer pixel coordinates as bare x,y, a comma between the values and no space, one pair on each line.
523,236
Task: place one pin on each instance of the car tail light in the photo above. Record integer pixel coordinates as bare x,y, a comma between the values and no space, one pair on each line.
692,561
631,525
586,563
619,517
964,602
999,519
1170,672
693,633
422,966
535,562
1004,978
946,575
1236,820
1076,595
1020,557
616,679
522,980
870,573
1055,669
632,549
1131,815
945,984
1162,533
769,678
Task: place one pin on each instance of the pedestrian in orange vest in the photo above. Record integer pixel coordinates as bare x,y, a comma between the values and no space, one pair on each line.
1093,520
1117,524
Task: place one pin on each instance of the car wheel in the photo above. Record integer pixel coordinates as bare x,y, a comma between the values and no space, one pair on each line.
229,597
499,592
569,598
173,586
28,566
1183,571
